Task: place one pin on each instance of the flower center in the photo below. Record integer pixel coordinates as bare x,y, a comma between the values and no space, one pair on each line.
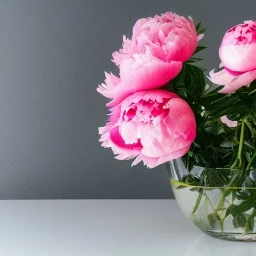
145,111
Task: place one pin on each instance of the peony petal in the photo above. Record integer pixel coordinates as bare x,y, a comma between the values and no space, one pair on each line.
110,138
151,141
157,95
240,57
124,53
118,140
174,155
129,132
231,82
137,76
111,82
200,37
228,122
150,162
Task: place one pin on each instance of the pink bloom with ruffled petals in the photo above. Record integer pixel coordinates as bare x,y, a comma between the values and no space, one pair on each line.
238,55
168,37
154,126
153,56
238,48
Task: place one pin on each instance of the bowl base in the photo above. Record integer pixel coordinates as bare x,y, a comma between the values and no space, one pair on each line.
251,237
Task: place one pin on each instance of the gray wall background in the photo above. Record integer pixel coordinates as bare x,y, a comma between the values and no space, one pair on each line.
52,57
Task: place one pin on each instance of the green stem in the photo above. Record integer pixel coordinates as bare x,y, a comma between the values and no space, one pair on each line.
233,165
252,92
248,167
207,197
240,148
221,202
224,194
248,227
188,162
252,130
241,143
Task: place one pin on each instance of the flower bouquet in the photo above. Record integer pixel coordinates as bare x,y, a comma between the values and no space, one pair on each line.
163,111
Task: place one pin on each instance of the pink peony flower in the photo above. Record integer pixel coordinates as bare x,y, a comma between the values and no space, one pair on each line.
142,72
152,57
168,37
238,55
228,122
238,48
154,126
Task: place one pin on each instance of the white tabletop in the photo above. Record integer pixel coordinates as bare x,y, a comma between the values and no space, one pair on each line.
105,228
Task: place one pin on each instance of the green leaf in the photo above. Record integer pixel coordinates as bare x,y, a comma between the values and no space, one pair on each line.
199,49
198,25
221,213
193,60
232,209
249,226
181,187
197,203
212,220
239,220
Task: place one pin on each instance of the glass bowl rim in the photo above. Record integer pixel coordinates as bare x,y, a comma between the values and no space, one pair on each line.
180,183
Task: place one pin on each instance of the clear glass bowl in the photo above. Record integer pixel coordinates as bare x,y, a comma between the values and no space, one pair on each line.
220,202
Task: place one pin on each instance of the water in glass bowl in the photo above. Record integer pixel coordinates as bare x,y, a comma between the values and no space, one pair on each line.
217,211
